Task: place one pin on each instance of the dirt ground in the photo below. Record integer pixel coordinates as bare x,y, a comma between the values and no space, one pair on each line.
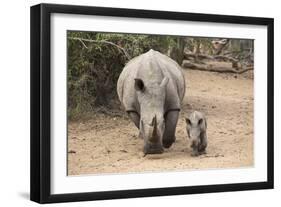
110,144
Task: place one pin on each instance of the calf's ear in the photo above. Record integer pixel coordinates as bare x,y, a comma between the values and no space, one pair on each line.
139,85
187,120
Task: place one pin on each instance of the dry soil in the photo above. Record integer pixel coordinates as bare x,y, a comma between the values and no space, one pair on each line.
110,144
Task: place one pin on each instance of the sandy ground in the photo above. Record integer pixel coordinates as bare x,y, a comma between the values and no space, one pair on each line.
110,144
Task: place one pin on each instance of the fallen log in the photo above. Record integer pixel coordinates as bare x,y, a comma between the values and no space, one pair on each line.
225,58
199,56
204,67
192,56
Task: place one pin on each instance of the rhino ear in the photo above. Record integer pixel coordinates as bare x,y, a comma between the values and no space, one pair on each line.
139,85
164,82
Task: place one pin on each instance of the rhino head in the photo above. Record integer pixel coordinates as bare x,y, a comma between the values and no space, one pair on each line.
151,98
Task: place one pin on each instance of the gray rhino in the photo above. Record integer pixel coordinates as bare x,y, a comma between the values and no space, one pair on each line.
151,88
196,127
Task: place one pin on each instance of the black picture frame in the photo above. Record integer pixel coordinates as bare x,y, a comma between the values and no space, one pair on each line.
40,184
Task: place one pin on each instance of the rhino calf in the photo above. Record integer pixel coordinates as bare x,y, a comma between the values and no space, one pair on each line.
196,127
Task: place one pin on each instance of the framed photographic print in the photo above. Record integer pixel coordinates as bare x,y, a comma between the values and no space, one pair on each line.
132,103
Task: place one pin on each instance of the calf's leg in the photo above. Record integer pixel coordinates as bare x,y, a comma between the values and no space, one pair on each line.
203,143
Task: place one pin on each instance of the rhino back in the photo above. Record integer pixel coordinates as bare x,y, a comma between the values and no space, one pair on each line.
151,67
171,67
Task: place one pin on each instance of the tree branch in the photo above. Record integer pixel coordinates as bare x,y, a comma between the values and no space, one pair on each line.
83,43
82,40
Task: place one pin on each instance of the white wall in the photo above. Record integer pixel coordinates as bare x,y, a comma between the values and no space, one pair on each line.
14,101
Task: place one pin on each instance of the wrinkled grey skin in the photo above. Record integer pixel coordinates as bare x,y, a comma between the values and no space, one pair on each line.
196,127
151,88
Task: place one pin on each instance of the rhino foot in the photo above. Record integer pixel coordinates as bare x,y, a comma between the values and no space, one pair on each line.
153,148
167,143
195,153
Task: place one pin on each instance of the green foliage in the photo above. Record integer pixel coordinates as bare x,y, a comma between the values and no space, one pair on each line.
95,61
94,66
198,45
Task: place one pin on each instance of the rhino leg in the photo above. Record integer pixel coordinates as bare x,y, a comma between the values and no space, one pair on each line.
135,118
195,152
171,120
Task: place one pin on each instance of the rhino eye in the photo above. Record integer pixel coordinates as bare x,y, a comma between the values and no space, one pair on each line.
200,121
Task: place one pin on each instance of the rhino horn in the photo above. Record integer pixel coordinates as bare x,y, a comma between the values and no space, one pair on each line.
154,136
164,82
154,123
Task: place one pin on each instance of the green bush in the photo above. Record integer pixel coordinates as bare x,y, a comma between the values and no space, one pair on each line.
95,61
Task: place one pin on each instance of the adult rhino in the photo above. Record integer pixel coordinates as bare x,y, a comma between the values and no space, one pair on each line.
151,88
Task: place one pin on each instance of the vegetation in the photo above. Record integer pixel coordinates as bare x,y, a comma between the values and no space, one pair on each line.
95,61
